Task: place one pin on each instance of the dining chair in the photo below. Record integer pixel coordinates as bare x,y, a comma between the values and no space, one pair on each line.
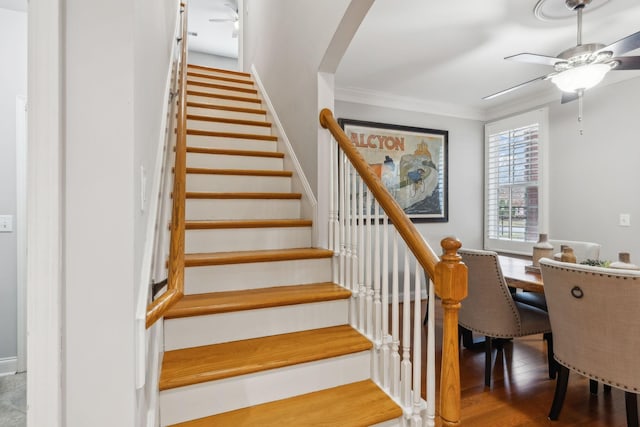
583,251
490,310
595,323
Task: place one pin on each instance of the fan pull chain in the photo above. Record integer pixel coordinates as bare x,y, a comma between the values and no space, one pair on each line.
580,129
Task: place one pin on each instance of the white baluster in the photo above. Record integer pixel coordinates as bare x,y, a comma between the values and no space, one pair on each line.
431,357
347,224
361,258
377,304
333,210
405,369
395,323
416,419
341,216
353,308
385,304
369,270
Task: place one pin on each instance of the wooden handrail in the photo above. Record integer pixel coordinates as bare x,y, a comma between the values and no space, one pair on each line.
422,251
449,274
175,280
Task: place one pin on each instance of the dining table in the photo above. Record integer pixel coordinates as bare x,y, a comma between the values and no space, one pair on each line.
516,274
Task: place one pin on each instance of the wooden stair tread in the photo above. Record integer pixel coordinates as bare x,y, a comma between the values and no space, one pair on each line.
217,361
214,77
251,299
357,404
252,196
226,108
245,172
242,257
219,70
196,117
248,223
228,152
231,135
220,96
222,87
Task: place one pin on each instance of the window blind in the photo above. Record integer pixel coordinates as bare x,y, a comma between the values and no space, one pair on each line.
513,183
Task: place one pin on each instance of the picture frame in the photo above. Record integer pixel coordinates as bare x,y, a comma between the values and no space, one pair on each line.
412,163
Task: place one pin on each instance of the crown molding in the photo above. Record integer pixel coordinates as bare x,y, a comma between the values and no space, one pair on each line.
380,99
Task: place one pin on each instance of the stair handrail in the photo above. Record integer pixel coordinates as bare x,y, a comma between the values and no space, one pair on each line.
175,278
448,273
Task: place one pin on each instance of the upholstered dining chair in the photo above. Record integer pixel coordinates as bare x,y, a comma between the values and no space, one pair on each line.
490,310
583,251
595,323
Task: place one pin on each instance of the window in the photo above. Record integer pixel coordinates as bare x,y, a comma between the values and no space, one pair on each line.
514,176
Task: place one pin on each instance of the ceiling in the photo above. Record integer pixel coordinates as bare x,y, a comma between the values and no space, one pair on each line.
444,56
214,38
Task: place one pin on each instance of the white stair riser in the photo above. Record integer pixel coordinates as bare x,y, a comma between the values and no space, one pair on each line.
247,83
237,183
228,127
218,73
200,400
218,209
219,91
247,239
221,101
195,331
232,143
256,275
216,112
225,161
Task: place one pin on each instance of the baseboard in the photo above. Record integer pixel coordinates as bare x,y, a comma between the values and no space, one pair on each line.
8,366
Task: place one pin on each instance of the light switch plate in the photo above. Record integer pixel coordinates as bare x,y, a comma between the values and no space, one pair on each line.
625,220
6,223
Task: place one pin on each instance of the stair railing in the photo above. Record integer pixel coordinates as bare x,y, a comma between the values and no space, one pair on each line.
175,278
364,218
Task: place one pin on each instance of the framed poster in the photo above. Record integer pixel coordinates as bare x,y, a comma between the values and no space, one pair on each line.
410,161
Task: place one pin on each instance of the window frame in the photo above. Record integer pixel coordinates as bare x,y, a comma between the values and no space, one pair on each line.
540,116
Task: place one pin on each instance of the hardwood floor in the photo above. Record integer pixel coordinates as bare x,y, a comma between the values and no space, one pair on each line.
522,392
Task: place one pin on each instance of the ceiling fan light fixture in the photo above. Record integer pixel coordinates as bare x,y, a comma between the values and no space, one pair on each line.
580,78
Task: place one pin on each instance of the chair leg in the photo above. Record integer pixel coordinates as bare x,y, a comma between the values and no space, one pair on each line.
560,393
631,403
553,365
487,361
467,337
593,387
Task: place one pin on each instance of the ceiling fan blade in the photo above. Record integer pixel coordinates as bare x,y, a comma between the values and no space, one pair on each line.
511,89
222,20
624,45
534,58
568,97
627,63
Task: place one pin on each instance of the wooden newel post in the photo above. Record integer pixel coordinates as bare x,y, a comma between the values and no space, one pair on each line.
451,287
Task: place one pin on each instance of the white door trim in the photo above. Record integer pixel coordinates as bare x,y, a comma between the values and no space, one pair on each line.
21,227
44,219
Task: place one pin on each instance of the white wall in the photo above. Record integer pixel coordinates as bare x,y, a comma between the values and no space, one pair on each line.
13,82
286,41
595,177
215,61
466,166
116,66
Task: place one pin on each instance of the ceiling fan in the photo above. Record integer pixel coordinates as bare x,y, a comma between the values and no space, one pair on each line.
233,18
583,66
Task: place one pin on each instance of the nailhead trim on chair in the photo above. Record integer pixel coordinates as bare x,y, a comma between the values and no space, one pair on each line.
595,273
601,380
513,304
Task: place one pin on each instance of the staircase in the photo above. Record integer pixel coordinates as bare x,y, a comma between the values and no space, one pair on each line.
261,336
